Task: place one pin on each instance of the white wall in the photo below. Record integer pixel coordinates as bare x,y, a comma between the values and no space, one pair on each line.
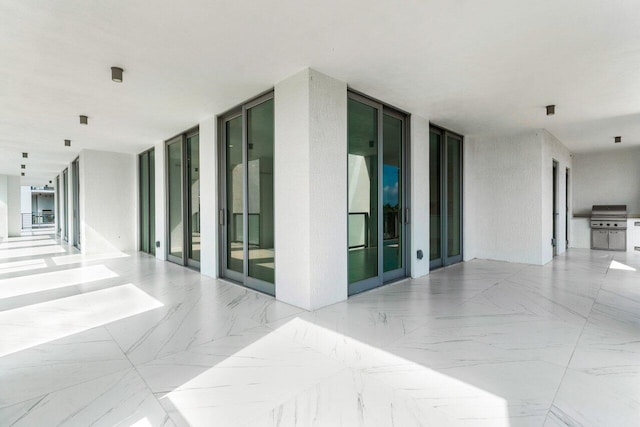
25,199
161,199
208,198
553,149
508,196
14,226
607,178
419,188
310,181
4,208
108,201
10,218
502,182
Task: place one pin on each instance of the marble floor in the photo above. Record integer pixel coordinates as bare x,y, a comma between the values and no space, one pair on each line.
126,340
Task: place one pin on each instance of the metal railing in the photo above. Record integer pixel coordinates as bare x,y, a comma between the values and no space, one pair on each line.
36,220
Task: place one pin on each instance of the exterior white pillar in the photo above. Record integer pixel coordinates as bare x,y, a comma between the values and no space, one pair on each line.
160,199
209,227
310,180
419,182
14,206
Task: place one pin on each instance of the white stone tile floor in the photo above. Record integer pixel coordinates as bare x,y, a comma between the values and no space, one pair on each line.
128,340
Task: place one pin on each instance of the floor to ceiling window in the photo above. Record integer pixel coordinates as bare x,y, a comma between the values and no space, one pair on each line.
146,178
445,187
75,190
58,208
246,155
376,188
65,204
183,199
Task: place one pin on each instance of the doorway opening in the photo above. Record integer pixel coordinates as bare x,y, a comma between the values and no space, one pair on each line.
554,238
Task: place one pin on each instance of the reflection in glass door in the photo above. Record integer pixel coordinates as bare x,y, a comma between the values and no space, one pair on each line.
445,205
75,188
65,204
246,156
376,228
58,208
183,199
146,167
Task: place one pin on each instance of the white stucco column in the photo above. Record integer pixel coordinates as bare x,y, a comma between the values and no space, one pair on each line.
208,198
419,182
310,180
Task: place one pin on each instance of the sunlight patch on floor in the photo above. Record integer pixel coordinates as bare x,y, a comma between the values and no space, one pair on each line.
36,324
76,258
620,266
53,280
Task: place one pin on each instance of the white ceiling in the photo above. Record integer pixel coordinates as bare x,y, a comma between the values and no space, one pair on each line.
475,67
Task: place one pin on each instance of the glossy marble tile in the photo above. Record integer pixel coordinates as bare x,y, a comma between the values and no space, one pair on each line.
474,344
119,399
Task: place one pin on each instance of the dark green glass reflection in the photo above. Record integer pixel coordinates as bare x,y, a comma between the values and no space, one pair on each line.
260,135
235,202
454,178
193,153
363,191
435,208
392,203
152,202
174,178
144,202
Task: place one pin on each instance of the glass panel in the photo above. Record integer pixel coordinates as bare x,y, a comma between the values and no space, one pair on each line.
174,162
152,202
392,203
144,202
435,208
260,133
65,202
235,208
363,191
454,179
194,196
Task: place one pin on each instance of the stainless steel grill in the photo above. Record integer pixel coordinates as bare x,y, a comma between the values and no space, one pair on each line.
609,227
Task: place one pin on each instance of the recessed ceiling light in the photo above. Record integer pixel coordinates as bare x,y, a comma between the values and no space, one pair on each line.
50,182
25,155
67,143
116,74
551,110
84,120
22,174
23,166
617,139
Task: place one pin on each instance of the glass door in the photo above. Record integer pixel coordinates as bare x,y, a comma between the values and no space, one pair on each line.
65,204
445,204
58,210
146,168
175,207
247,220
76,202
183,199
376,218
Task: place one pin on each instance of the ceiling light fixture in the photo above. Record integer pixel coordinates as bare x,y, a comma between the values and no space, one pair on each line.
67,143
551,110
25,155
617,139
84,120
22,174
116,74
23,166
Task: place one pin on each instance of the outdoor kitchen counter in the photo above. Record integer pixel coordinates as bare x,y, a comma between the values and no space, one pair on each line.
580,232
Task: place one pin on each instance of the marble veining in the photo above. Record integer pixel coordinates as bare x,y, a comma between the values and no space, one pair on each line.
127,340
